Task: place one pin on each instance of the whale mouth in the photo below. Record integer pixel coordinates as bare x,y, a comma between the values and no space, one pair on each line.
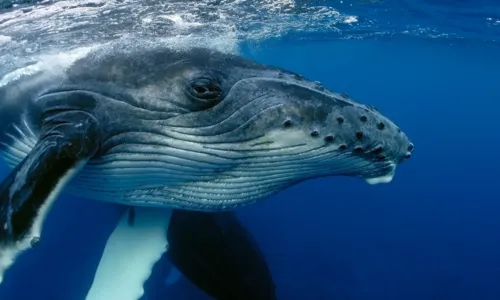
385,178
381,179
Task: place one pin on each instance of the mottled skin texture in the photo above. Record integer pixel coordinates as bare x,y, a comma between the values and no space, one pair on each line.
197,129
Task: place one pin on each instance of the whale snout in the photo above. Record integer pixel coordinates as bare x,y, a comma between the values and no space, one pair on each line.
362,131
353,139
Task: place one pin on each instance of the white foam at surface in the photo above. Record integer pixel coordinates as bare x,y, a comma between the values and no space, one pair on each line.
46,62
180,22
5,39
278,5
130,254
350,19
63,25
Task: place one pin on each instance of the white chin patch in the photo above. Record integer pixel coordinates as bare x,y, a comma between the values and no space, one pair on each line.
382,179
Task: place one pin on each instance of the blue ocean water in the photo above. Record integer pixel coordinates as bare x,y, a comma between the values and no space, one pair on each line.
433,233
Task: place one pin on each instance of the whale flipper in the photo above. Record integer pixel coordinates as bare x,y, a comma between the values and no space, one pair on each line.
212,250
68,139
130,254
216,253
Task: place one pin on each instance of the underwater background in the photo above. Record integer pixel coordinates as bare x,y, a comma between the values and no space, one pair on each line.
431,66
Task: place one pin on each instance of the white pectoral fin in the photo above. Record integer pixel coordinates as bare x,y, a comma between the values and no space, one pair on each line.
21,226
67,140
130,254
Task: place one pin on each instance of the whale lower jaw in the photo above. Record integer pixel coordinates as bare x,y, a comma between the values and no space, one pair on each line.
380,179
377,180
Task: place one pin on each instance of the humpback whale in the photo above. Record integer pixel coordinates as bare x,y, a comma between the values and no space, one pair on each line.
160,129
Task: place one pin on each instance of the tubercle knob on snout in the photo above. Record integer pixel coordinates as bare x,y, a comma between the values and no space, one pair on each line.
410,149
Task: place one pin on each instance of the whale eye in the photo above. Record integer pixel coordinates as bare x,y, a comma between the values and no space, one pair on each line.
205,89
